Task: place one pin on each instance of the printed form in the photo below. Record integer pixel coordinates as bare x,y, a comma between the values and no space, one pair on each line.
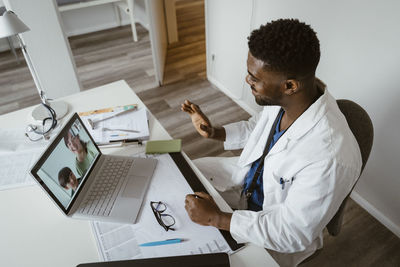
17,156
121,241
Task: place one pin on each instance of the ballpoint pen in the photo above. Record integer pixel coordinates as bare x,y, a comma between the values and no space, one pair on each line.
125,141
115,135
162,242
93,123
117,143
122,130
197,196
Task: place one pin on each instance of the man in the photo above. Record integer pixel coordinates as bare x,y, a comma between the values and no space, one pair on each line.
68,180
299,158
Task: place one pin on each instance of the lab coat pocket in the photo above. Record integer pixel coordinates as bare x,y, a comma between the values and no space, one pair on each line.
282,184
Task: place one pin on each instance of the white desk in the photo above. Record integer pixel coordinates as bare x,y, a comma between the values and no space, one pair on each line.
33,232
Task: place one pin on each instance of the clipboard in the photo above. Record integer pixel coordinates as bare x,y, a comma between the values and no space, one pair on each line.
196,185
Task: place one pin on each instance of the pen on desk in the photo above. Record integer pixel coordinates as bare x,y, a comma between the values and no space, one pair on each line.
122,130
107,145
127,141
115,135
162,242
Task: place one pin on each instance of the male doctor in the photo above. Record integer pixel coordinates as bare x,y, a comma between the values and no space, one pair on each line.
299,159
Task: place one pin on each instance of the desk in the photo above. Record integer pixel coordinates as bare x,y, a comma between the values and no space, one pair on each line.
33,232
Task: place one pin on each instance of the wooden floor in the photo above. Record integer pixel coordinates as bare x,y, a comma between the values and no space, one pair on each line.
186,58
101,57
363,240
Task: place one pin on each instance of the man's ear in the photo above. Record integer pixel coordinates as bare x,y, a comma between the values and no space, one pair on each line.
291,86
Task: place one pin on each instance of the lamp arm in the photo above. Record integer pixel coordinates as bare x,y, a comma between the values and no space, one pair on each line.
42,94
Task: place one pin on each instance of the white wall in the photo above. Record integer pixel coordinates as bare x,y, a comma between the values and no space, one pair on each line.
360,60
47,46
227,27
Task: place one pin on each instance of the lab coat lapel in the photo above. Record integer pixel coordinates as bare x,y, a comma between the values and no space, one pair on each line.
310,117
258,139
279,146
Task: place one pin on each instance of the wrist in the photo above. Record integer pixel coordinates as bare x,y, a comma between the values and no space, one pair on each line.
222,220
218,133
212,133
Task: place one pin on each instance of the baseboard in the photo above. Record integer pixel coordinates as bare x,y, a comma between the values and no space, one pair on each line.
375,213
223,89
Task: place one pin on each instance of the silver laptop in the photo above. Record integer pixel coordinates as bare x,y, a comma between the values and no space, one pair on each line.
86,184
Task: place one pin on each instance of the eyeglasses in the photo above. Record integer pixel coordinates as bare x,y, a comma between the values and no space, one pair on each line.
164,219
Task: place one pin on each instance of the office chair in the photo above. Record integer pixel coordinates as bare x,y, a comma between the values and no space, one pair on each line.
361,126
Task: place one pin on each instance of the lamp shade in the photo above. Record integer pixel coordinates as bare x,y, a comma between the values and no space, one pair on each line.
11,25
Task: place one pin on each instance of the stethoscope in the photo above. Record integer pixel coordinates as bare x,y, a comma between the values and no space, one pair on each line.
43,134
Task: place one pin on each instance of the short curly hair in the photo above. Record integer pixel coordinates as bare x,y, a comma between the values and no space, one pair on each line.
287,46
63,176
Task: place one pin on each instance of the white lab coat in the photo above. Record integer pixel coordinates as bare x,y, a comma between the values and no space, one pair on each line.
319,159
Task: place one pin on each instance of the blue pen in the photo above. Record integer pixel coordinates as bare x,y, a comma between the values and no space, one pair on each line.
115,135
163,242
282,182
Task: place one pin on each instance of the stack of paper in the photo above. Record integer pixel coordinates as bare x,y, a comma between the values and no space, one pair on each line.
128,126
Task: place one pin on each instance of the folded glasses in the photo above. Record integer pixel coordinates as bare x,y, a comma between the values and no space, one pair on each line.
164,219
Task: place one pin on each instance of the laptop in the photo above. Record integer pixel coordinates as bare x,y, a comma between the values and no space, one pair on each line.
201,260
86,184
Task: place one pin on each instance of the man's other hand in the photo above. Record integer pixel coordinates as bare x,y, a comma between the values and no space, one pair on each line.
203,210
199,120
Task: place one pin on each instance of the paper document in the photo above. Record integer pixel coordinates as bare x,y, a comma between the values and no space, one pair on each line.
121,241
15,167
127,126
14,139
17,155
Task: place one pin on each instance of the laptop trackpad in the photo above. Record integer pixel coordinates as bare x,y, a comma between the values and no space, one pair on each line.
135,186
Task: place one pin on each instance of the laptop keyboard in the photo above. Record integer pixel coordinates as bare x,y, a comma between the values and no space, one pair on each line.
102,195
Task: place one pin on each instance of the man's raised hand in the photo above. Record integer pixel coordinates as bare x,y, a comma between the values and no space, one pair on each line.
199,120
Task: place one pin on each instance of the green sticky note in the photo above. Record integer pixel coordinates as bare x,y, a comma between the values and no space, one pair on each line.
163,146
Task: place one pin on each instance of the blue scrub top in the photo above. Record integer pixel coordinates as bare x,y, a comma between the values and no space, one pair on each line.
257,198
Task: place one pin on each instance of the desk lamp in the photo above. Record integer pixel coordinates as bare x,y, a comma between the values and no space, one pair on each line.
11,25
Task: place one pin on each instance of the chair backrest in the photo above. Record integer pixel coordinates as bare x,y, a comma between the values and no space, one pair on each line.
361,126
2,10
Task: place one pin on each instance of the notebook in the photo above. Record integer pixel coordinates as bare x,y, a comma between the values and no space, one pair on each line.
163,146
86,184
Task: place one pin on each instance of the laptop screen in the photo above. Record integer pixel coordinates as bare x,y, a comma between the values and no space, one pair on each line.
66,163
